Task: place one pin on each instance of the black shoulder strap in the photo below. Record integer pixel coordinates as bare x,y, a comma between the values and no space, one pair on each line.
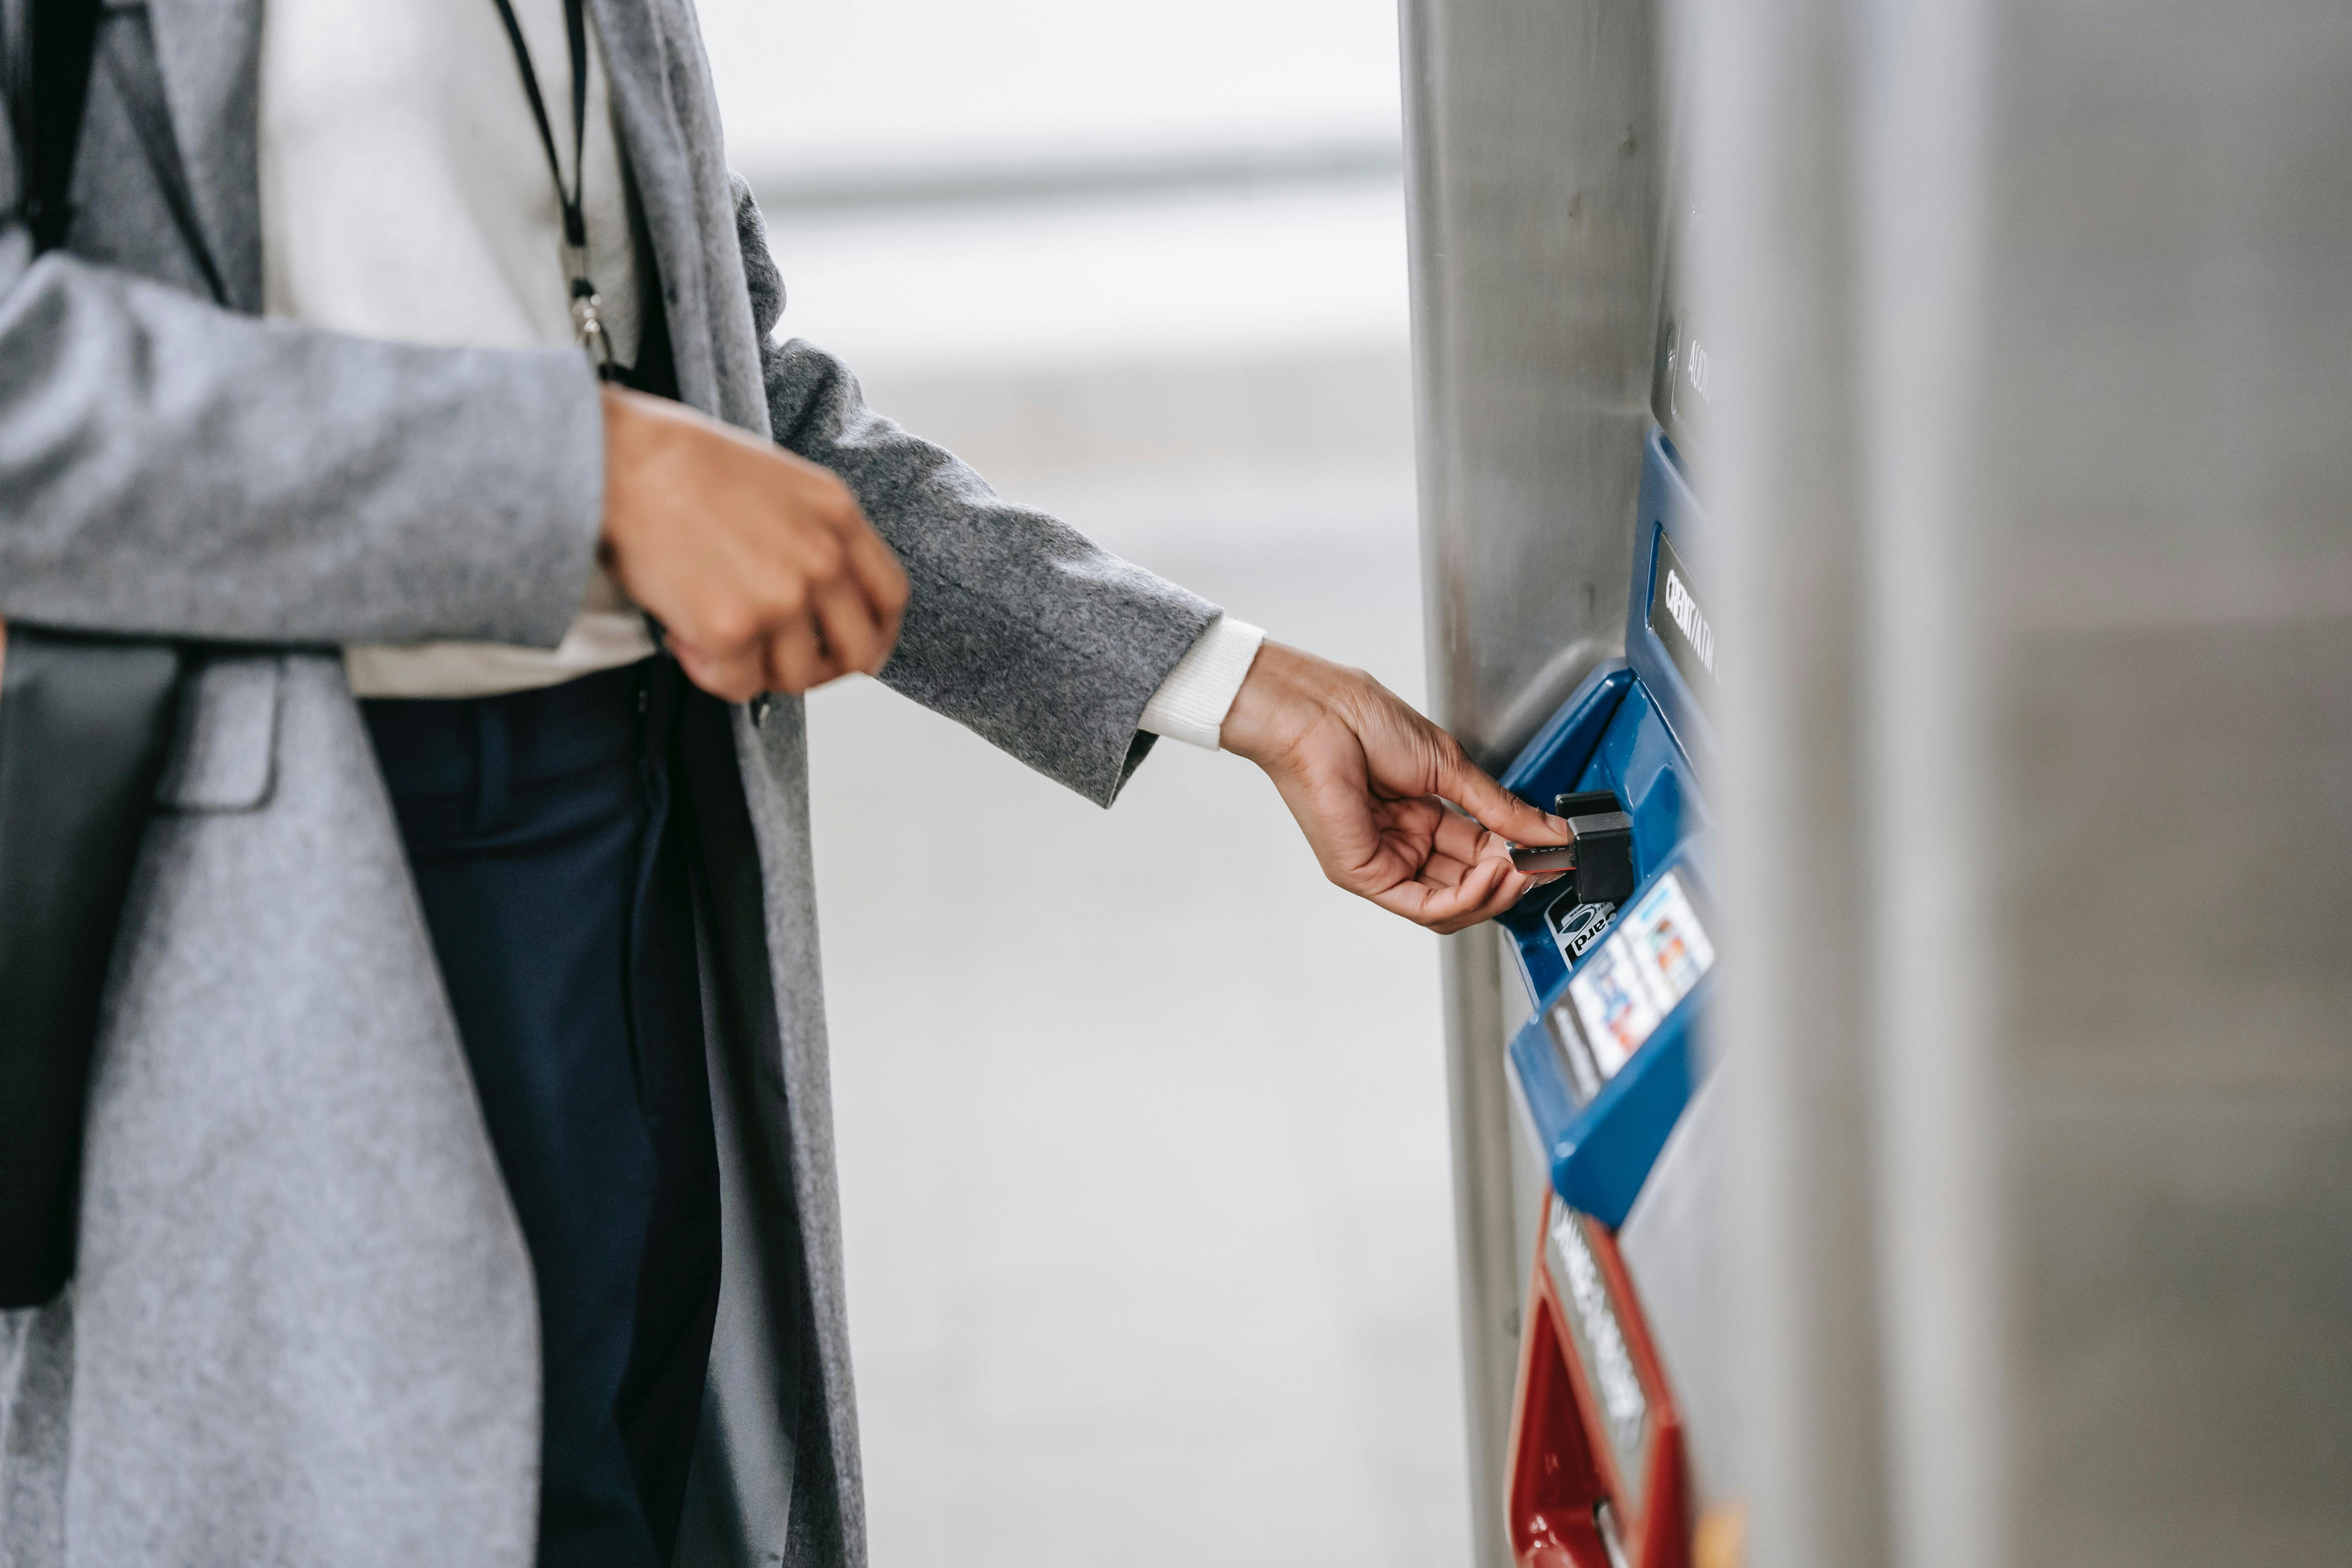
52,94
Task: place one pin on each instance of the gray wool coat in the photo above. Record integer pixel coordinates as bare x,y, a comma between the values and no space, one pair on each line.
303,1330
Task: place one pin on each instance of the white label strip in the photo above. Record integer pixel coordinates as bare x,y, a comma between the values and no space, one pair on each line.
1606,1357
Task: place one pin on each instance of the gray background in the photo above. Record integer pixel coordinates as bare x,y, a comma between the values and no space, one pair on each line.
1142,1124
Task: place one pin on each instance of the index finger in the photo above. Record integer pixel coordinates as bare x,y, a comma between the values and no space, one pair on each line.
854,633
1468,785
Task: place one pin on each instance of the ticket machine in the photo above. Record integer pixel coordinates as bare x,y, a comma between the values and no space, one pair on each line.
1619,1385
1618,976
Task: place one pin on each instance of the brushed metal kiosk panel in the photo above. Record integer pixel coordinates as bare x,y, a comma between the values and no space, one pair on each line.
1533,162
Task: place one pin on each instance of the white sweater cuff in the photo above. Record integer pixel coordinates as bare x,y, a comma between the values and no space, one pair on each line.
1192,703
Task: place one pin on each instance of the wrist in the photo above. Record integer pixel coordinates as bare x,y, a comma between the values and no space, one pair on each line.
621,457
642,457
1281,698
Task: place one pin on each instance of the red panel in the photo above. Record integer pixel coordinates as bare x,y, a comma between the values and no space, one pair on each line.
1553,1483
1560,1467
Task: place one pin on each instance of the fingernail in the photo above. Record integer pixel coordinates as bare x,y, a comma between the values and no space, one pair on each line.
1559,823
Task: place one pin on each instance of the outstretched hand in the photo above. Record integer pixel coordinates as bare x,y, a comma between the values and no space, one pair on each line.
1367,778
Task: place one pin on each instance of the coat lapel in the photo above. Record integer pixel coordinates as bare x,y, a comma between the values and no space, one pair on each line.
655,129
209,53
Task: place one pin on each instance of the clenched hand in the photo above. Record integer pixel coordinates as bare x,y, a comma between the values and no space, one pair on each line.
762,567
1367,778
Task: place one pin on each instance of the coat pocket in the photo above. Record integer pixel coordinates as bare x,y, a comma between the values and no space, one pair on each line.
224,753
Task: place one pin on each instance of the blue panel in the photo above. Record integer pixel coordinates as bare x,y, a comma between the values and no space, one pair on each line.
1600,1152
1633,729
1669,511
1608,736
1550,765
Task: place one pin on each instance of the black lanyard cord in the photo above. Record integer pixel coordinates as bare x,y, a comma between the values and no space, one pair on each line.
49,48
587,307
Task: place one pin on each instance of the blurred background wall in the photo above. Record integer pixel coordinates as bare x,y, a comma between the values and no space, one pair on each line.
2035,493
1143,1125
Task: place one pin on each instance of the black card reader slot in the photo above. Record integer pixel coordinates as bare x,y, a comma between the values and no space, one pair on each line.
1599,853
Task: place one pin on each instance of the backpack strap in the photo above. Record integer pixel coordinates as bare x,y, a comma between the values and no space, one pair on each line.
52,96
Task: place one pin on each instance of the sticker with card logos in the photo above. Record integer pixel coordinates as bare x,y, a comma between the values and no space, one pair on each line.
1653,958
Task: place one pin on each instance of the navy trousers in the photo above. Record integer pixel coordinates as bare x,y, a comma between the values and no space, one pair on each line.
548,833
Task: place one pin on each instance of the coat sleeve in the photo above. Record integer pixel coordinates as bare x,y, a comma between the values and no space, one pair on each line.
1017,626
172,468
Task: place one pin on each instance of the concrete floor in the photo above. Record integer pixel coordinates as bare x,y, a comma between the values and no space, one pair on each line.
1143,1123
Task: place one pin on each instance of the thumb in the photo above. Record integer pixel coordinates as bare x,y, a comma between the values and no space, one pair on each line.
1497,810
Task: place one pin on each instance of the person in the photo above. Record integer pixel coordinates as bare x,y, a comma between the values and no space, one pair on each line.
459,1184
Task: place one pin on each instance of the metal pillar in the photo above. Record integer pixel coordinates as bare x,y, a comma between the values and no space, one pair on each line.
1533,165
2034,326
